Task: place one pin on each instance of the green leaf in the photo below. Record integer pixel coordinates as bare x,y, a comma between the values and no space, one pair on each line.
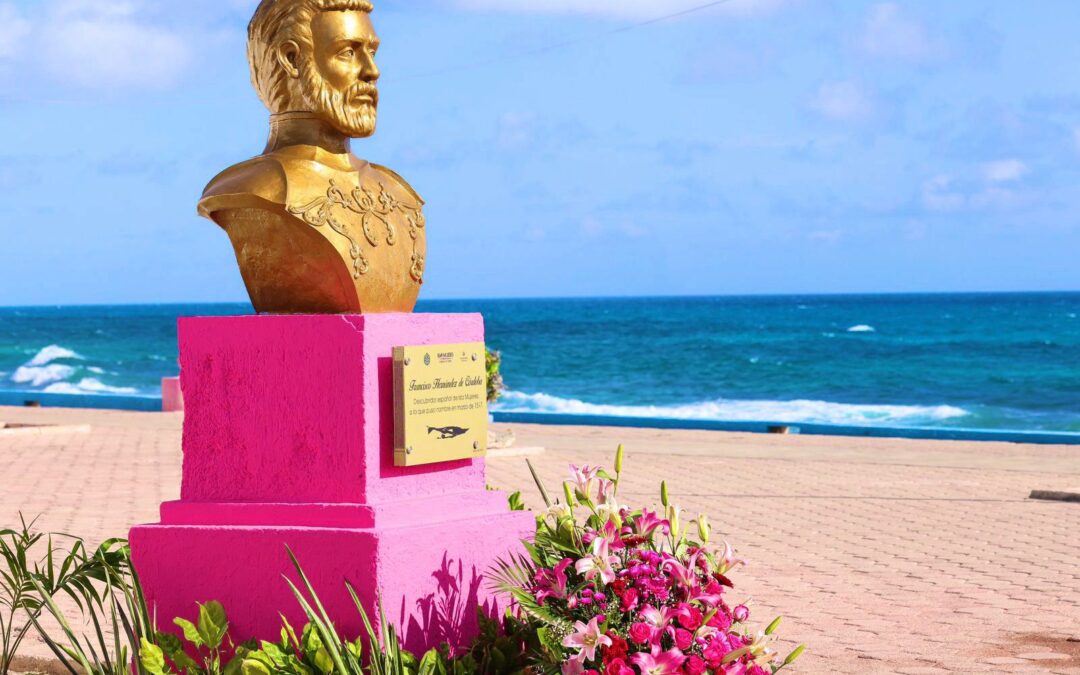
169,643
323,661
152,658
254,667
191,633
213,624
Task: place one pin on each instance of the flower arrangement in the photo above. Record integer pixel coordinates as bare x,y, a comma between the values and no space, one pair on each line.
621,592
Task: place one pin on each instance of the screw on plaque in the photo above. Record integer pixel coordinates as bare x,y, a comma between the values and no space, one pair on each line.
408,450
476,445
408,361
475,357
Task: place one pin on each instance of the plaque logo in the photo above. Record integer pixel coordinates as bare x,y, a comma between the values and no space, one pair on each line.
446,433
427,359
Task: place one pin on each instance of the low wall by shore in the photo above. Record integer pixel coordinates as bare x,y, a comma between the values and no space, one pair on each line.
154,404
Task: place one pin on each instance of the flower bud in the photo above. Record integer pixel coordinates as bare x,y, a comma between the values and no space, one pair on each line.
673,514
619,459
568,493
664,494
703,528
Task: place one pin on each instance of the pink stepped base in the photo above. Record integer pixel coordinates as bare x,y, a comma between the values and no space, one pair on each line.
288,436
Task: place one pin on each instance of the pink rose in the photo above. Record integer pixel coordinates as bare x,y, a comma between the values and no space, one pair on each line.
690,617
641,633
618,667
741,613
694,665
629,599
683,639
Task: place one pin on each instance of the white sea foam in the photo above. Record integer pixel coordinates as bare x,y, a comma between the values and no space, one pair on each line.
87,385
52,353
739,411
862,328
39,376
41,370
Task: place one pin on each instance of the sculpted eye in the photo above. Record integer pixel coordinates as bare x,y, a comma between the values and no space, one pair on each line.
347,54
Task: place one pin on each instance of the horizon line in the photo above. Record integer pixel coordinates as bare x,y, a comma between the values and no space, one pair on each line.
833,294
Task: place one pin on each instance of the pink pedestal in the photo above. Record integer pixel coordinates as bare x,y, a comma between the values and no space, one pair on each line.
288,440
172,398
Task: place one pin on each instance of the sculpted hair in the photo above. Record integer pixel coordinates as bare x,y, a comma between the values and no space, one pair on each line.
277,21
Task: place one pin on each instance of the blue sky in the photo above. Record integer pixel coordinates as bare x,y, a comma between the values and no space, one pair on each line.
761,146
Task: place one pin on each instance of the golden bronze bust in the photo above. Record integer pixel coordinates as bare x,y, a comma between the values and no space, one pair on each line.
315,229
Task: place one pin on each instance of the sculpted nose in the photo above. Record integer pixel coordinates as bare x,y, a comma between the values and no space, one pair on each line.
369,72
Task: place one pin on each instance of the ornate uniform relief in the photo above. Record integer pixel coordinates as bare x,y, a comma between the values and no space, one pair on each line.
370,216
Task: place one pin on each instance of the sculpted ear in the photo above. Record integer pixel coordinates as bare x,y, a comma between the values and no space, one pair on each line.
288,56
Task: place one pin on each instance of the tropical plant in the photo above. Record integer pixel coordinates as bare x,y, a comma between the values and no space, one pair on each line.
116,610
34,571
495,385
619,591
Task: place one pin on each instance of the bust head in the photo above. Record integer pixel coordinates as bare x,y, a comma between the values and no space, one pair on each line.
317,56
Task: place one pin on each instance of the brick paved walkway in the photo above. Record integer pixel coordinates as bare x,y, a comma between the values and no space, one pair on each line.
886,556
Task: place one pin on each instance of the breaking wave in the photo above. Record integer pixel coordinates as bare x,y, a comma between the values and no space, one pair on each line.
55,370
41,370
862,328
87,385
822,412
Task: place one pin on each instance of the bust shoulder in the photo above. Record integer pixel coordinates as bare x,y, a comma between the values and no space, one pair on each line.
397,180
261,182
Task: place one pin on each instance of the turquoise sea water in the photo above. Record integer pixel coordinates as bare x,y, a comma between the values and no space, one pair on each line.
990,361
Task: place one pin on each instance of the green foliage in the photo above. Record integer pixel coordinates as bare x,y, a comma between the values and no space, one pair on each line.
207,638
495,384
33,570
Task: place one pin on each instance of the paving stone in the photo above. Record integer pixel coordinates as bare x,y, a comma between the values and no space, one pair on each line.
1043,656
868,547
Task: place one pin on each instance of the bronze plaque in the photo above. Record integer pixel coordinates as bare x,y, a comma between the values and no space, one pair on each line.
440,403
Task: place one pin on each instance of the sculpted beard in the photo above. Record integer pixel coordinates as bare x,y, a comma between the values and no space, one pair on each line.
355,121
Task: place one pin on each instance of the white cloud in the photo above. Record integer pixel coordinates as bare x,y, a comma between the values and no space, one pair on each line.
621,9
940,194
13,29
890,34
988,190
843,101
1005,171
105,44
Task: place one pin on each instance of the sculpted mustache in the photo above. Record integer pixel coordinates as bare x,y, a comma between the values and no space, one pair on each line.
364,89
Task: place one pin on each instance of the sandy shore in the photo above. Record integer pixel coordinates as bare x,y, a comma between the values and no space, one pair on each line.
884,555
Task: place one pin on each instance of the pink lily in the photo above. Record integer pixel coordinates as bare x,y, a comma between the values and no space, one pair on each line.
600,562
606,493
583,478
648,522
686,574
587,638
552,583
728,561
658,662
610,533
658,619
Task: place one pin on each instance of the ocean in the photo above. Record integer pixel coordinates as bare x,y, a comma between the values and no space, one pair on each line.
979,361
